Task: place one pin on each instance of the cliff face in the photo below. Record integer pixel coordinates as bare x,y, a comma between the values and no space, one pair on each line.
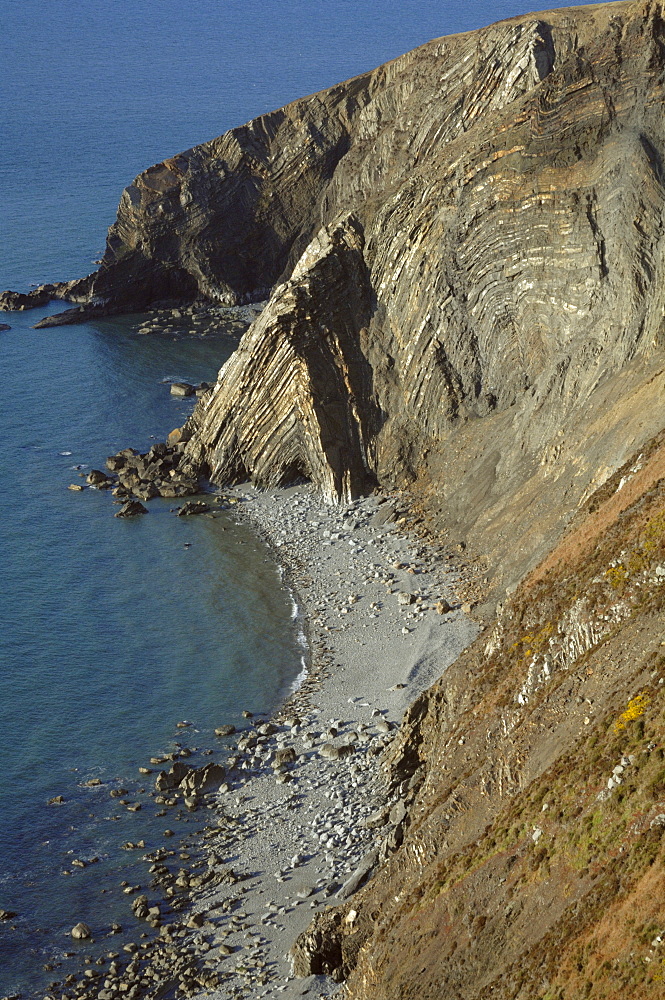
493,327
315,412
506,192
477,310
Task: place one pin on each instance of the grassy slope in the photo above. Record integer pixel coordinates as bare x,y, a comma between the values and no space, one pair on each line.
522,874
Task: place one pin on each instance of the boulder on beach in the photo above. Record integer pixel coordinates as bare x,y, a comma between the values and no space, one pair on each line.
360,874
81,932
197,780
286,755
189,779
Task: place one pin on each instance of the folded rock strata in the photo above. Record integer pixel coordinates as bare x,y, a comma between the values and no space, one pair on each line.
464,257
306,385
493,327
463,250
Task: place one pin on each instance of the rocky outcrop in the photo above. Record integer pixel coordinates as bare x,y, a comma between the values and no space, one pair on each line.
315,413
463,250
493,329
72,291
164,471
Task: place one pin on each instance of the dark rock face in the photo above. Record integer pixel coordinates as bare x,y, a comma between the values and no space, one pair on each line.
131,509
190,779
193,507
73,291
318,951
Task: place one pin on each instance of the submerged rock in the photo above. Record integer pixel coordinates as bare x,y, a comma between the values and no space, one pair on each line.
226,730
193,507
182,389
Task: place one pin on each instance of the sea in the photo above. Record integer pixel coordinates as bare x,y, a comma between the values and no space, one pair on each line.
112,632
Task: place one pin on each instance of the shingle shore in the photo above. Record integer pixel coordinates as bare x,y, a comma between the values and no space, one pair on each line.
302,811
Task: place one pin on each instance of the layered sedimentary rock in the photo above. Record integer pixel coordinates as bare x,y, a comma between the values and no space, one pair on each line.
309,407
506,337
464,257
490,330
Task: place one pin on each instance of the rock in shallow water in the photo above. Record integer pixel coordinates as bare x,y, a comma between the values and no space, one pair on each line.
226,730
182,389
131,509
81,932
193,507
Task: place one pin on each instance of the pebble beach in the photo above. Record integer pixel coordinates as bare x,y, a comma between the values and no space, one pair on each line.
305,813
293,812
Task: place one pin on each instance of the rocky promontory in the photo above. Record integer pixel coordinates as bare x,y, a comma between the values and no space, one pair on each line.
461,250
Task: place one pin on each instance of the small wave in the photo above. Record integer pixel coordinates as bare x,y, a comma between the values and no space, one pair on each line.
301,678
301,638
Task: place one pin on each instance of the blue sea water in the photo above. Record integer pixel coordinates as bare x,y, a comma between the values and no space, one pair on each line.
110,631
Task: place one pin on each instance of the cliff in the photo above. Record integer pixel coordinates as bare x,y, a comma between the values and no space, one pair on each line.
462,250
472,295
464,255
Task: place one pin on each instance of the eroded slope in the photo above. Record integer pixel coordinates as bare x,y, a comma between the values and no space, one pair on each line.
533,776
